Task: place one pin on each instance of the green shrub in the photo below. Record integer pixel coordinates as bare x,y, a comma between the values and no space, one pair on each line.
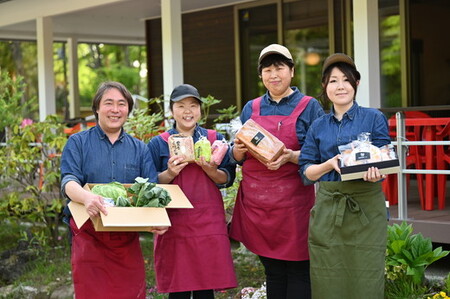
407,257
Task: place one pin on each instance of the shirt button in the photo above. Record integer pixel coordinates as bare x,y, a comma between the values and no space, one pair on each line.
114,163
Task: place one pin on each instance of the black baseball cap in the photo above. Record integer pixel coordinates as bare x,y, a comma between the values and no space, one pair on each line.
184,91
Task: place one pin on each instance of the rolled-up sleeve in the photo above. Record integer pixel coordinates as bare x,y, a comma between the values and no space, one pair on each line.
309,155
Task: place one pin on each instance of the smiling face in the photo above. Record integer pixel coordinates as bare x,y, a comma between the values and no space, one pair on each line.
112,111
277,80
339,90
186,113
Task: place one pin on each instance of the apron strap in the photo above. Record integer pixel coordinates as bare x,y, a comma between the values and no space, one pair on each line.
212,136
165,136
256,107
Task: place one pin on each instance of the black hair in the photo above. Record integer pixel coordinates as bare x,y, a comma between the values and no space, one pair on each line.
172,102
349,71
276,60
104,87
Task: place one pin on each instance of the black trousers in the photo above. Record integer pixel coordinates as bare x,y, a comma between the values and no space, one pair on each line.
286,279
204,294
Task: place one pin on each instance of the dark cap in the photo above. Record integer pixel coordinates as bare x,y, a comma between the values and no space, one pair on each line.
184,91
335,58
274,49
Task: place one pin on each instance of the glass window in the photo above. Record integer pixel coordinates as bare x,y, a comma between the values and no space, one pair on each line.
306,35
390,45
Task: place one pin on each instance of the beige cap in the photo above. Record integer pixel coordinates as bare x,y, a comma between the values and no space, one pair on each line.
274,49
335,58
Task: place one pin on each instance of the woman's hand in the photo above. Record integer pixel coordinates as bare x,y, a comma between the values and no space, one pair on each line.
316,171
288,155
373,175
175,165
334,162
209,168
239,150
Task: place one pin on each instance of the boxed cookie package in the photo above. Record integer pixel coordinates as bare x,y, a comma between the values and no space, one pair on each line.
357,156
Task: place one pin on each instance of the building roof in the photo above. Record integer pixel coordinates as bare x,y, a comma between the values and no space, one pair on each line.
108,21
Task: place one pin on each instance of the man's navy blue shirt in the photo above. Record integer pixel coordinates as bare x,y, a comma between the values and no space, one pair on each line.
89,157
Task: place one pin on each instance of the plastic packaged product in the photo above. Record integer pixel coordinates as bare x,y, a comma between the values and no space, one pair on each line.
203,149
180,145
219,149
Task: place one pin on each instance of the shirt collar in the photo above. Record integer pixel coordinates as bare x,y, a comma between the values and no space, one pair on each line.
103,135
285,99
175,131
350,113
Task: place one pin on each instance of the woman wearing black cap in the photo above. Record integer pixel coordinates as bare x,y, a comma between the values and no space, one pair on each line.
195,254
272,207
348,227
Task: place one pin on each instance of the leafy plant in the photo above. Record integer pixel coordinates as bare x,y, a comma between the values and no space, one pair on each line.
407,257
12,104
143,124
206,107
229,194
227,114
30,162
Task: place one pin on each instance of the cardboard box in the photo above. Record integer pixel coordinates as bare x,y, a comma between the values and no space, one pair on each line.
131,218
357,171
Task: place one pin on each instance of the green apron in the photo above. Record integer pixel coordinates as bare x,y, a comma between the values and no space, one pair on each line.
347,241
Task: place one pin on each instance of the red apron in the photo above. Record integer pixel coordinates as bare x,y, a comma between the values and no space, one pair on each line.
195,253
271,213
106,265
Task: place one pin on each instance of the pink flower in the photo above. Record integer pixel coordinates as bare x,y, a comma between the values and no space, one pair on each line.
26,122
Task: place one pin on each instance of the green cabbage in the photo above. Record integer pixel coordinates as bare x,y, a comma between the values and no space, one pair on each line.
111,190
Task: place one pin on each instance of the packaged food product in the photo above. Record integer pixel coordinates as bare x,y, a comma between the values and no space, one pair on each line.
181,145
361,151
358,155
260,143
203,149
219,148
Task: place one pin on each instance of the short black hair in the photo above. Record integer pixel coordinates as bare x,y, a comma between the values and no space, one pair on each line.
105,86
275,59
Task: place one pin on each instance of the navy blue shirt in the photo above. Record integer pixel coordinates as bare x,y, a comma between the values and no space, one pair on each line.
159,150
89,157
327,133
285,107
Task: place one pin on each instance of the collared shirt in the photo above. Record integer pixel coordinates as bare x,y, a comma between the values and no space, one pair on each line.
285,107
159,150
327,133
89,157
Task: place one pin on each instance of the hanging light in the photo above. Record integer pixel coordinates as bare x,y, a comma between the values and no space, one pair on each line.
312,58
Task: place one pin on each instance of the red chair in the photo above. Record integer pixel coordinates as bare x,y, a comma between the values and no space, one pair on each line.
415,157
442,158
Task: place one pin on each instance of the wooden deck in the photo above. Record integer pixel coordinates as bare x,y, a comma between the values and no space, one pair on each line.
434,224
